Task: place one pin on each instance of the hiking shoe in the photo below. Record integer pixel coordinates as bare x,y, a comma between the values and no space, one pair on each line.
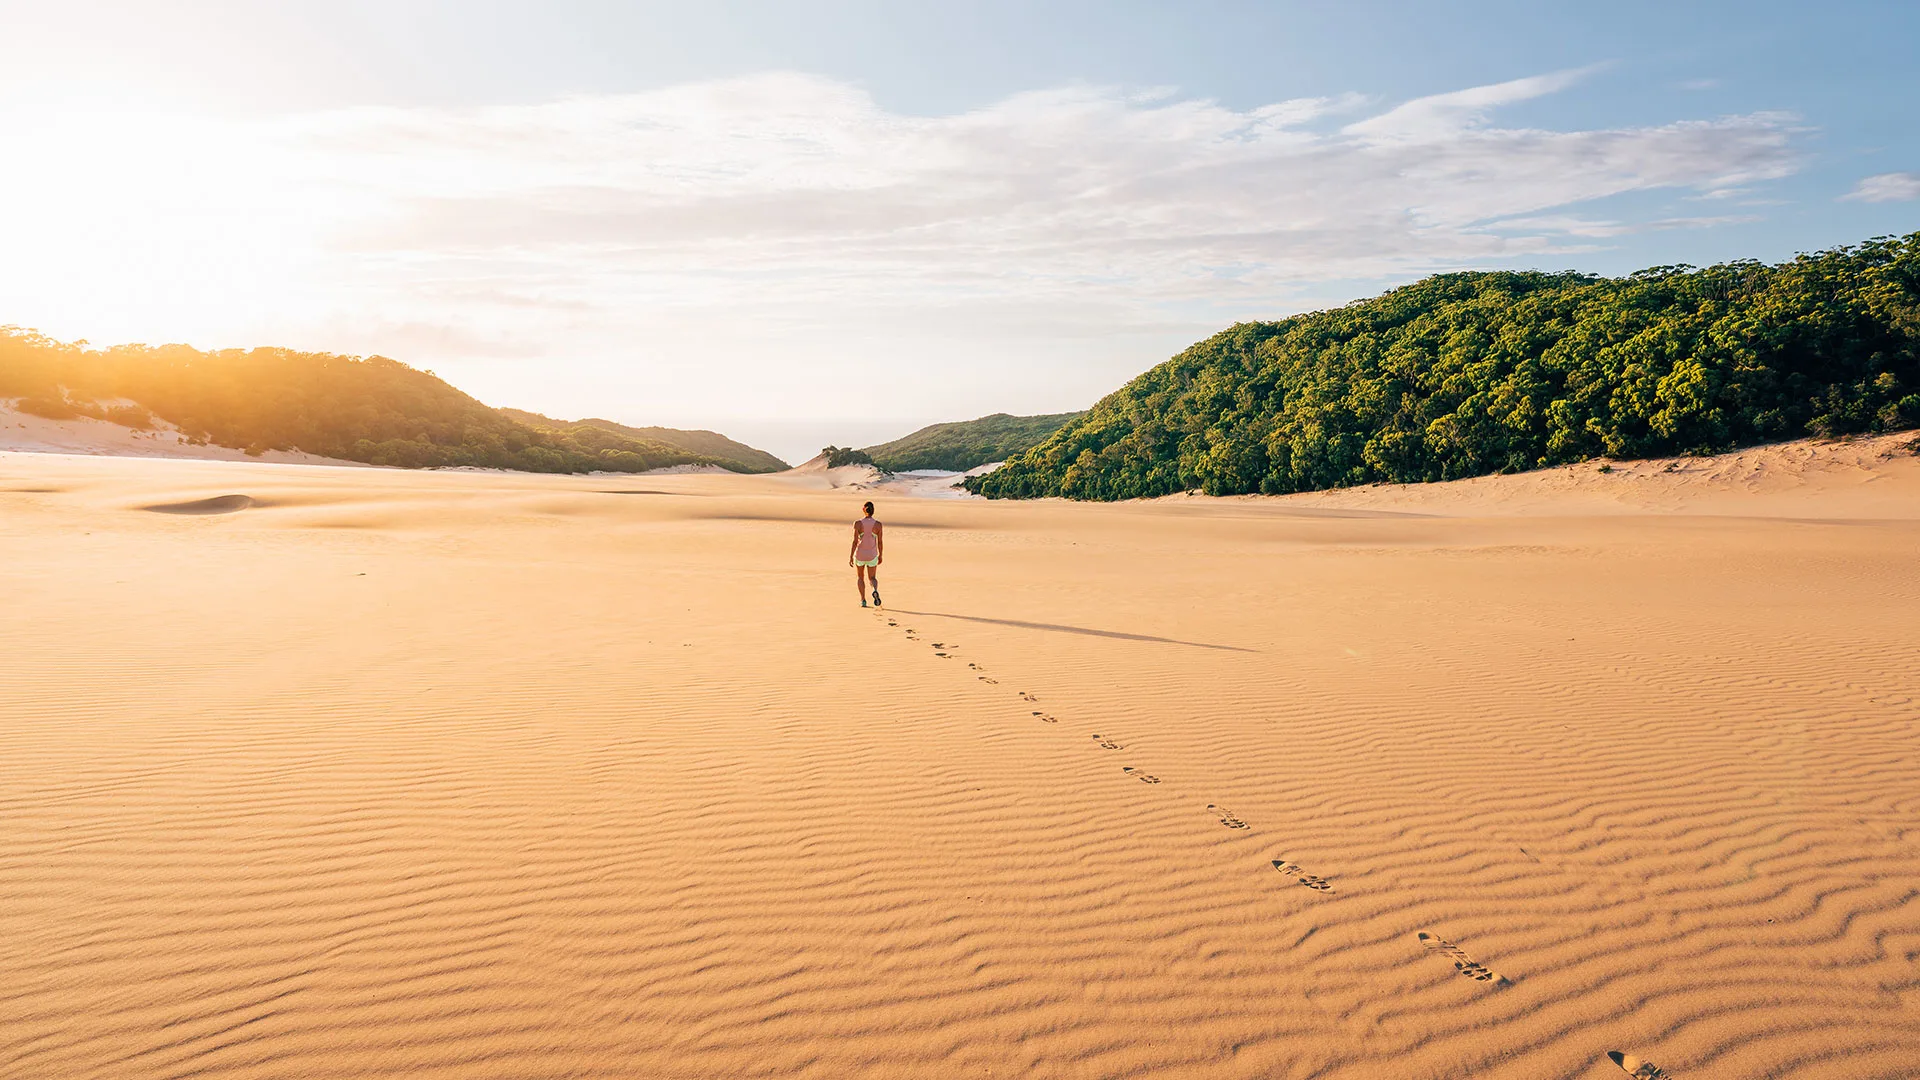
876,598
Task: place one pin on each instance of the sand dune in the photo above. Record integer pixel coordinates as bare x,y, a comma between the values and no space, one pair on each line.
20,431
917,484
1568,774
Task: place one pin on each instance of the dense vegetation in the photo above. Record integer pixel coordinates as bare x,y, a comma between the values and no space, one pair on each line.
1472,373
737,456
844,455
968,443
374,410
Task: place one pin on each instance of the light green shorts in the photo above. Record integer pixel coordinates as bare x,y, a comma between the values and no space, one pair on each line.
875,561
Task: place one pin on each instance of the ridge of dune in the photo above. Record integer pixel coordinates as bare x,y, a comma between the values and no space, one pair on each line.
815,473
475,775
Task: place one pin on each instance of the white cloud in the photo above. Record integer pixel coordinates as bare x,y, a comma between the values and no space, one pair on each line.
793,231
1585,227
1886,187
1443,115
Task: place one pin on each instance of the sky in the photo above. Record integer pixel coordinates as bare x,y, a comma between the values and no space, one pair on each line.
804,223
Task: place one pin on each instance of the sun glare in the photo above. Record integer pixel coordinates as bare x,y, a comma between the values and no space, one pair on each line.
137,226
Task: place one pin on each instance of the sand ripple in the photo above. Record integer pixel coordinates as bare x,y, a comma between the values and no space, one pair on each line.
462,776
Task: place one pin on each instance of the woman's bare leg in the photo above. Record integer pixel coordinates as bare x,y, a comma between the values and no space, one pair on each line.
860,583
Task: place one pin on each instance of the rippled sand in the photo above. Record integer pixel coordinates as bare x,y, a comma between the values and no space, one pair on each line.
372,773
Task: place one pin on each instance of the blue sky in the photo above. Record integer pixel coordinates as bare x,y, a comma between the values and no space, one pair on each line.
802,222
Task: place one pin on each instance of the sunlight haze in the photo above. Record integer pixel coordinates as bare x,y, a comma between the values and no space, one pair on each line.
557,211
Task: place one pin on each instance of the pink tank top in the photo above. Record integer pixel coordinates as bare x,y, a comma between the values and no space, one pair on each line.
869,547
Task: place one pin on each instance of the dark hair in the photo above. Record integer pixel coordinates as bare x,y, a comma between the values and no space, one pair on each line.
869,509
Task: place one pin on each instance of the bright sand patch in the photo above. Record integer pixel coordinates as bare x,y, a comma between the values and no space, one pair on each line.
477,775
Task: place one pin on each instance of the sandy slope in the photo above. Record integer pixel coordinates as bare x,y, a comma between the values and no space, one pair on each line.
814,475
26,432
464,775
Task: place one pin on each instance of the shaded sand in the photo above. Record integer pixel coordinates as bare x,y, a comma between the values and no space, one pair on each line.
467,775
218,504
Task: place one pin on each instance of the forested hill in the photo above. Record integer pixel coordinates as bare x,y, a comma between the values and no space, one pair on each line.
374,410
1472,373
737,456
964,444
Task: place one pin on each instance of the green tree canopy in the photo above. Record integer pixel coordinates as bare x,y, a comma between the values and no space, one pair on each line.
844,455
965,444
1472,373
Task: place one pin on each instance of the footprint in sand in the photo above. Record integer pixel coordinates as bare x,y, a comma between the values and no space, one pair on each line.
1226,817
1461,961
975,666
1024,696
1311,881
1105,743
1639,1070
941,654
1045,718
1145,778
991,682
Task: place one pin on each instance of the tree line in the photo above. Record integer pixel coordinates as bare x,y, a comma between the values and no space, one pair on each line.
370,409
1466,374
962,445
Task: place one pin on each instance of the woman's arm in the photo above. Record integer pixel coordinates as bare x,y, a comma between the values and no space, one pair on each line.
855,546
880,542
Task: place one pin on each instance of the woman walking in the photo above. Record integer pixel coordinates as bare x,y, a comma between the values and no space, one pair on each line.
869,548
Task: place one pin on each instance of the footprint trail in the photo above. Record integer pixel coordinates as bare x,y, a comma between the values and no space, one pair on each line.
1294,871
1464,964
1226,817
1639,1070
